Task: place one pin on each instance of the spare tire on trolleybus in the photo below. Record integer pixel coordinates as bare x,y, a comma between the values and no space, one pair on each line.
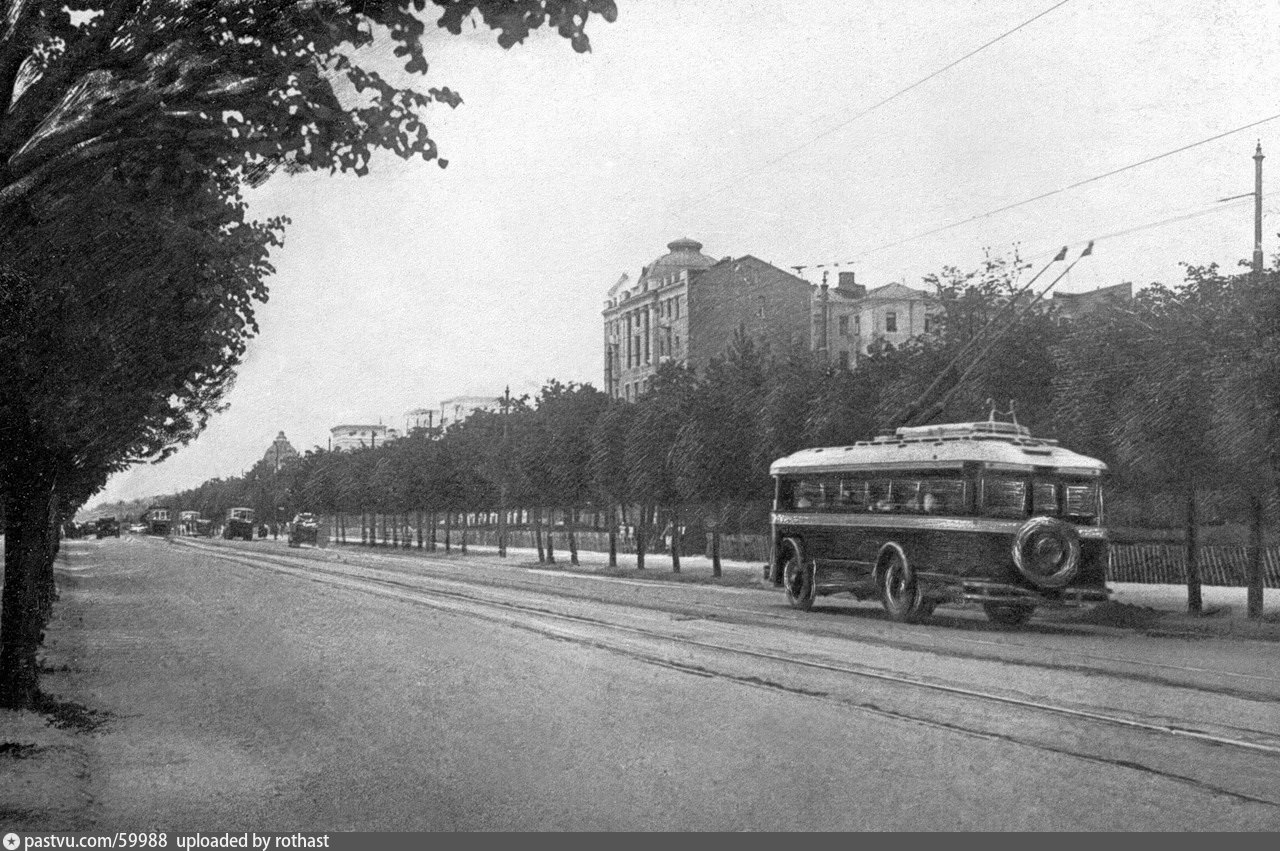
964,513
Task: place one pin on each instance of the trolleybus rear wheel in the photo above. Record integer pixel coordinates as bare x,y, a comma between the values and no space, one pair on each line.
797,577
899,590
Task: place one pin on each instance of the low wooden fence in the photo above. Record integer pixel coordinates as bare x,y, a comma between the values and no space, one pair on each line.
1144,563
1166,563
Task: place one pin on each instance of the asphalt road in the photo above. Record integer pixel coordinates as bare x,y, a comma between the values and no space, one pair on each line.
253,687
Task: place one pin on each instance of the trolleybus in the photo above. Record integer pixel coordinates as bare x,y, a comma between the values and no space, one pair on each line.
964,513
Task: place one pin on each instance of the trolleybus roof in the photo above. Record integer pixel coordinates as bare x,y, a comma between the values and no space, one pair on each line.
996,445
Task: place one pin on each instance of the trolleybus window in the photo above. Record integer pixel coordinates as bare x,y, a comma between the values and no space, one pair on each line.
878,495
1081,500
1044,499
944,496
1004,497
905,495
852,495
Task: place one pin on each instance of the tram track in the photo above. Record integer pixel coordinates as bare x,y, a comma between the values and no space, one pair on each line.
664,648
1242,685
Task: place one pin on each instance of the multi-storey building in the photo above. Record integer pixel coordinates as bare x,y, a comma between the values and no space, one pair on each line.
281,450
685,307
849,319
350,437
458,408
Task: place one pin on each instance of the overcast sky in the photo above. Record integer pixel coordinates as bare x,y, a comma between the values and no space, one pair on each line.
745,126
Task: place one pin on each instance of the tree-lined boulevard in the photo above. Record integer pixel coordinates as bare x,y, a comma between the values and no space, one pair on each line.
249,686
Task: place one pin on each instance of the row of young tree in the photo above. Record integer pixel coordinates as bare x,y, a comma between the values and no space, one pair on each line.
1176,390
129,266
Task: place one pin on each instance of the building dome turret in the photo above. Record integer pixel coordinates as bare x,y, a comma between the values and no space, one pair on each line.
683,255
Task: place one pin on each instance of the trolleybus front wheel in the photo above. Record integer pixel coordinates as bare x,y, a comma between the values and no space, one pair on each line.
797,577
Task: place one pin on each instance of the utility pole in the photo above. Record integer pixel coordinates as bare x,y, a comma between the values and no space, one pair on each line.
502,486
1254,579
1257,212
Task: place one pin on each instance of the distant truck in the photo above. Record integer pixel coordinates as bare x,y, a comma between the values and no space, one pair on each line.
106,527
239,524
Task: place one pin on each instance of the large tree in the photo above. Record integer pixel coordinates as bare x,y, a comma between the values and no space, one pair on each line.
129,268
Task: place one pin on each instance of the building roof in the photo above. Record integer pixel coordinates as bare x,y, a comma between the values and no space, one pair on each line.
896,292
731,266
357,425
1000,445
682,254
470,400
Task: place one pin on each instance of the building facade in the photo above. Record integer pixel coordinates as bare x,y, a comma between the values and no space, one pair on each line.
849,320
458,408
349,437
685,308
281,450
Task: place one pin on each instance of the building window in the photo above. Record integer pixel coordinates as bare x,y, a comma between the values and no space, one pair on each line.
760,308
678,306
857,324
891,321
844,359
927,324
647,335
844,326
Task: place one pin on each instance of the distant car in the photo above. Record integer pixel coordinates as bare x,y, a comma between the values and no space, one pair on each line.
138,528
106,527
204,528
305,529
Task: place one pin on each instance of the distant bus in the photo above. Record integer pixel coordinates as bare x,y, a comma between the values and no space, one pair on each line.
158,519
959,513
239,524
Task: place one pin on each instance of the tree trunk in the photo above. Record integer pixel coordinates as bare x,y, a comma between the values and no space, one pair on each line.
464,533
29,504
537,536
613,537
364,536
641,521
448,529
502,524
573,539
1254,577
419,528
1195,603
715,549
675,539
551,525
434,526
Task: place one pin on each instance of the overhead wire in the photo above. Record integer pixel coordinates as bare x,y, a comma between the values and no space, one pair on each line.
1070,186
867,111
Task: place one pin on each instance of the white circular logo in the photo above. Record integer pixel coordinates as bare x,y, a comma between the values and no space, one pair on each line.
11,841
